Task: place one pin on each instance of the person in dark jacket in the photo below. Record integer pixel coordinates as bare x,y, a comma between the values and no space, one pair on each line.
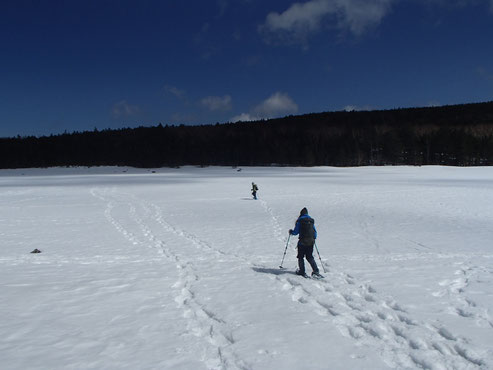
305,228
254,190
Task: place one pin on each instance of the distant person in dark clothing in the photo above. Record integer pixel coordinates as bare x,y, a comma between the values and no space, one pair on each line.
254,190
305,228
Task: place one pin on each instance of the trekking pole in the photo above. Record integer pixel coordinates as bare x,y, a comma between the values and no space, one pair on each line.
319,257
285,249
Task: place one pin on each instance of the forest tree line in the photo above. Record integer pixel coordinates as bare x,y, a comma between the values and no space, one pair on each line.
458,135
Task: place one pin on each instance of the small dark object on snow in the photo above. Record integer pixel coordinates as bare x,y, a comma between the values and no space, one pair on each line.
36,251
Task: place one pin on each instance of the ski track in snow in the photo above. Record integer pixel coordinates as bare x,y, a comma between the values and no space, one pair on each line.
202,322
362,314
357,309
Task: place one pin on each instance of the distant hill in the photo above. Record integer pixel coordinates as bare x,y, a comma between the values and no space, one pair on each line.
459,135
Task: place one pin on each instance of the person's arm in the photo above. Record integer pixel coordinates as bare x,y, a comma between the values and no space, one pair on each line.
296,230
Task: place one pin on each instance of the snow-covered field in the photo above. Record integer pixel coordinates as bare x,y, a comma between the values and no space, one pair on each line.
179,269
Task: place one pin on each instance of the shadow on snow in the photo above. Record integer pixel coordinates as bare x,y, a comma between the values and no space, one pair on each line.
273,271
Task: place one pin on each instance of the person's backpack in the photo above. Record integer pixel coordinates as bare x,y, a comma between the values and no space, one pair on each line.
307,232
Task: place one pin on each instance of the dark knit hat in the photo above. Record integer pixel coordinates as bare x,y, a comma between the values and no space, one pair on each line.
304,211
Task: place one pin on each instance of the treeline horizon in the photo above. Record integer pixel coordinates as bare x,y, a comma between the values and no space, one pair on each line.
455,135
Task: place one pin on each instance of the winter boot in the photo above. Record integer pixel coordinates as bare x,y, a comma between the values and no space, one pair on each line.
317,274
301,273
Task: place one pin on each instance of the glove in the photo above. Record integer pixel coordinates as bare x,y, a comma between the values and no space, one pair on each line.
290,231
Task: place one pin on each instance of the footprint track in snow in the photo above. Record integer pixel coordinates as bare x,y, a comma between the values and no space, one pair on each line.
202,322
276,225
457,287
360,313
363,315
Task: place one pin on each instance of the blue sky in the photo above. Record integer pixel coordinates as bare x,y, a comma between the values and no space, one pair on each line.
76,65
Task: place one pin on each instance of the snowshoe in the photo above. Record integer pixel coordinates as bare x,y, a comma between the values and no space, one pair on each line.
317,275
298,272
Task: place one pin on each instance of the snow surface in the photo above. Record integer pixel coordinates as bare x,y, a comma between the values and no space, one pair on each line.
179,269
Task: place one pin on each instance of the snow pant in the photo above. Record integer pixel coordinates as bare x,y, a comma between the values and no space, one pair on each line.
254,193
305,251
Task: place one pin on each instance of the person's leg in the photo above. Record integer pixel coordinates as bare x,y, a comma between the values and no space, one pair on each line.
310,259
301,257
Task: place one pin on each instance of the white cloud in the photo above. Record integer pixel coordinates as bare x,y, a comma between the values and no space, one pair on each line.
302,19
217,103
356,108
174,91
359,15
123,109
244,117
299,19
277,105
